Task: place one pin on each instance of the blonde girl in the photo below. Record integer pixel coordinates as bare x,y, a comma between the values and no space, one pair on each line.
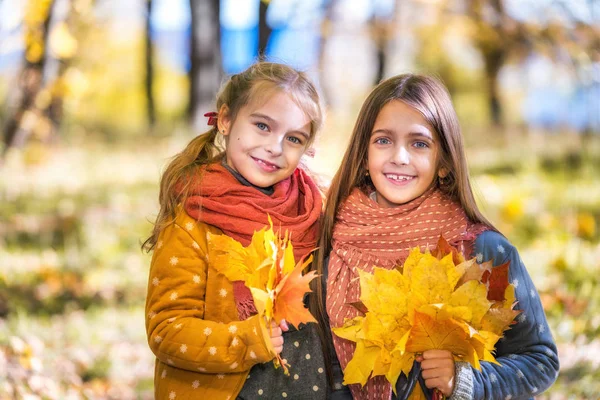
204,329
404,181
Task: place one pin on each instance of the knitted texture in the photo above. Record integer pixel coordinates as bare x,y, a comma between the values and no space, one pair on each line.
367,235
463,381
220,200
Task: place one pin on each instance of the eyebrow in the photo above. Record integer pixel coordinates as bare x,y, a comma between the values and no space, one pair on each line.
415,133
272,121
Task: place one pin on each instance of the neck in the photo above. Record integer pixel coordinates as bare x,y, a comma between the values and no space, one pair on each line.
268,190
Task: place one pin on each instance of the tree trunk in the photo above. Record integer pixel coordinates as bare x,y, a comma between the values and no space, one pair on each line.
383,30
381,44
494,43
149,82
205,53
264,30
326,31
493,65
28,86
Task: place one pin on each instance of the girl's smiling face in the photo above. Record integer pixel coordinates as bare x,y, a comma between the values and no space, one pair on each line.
266,141
403,154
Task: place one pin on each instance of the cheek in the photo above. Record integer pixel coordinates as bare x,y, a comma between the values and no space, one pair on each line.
294,155
430,166
371,159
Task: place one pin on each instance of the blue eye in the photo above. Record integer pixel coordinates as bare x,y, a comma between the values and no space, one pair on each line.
261,126
294,140
382,140
421,145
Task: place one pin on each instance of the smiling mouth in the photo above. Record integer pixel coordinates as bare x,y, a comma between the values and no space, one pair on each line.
399,179
265,165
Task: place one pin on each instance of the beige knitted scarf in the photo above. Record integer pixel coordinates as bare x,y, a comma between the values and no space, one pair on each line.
366,235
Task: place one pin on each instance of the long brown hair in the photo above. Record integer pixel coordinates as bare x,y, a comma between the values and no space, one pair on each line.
252,86
428,96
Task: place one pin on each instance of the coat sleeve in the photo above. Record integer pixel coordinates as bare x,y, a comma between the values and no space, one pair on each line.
177,332
527,353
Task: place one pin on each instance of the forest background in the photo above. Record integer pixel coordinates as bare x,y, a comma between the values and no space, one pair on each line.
96,95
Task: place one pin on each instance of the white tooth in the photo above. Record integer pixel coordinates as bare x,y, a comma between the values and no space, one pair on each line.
398,178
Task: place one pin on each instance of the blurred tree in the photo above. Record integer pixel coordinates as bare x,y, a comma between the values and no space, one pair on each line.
21,118
39,93
326,30
205,53
501,38
494,35
264,30
63,48
382,29
149,83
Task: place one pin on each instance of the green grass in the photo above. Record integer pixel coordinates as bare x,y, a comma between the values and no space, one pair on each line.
72,219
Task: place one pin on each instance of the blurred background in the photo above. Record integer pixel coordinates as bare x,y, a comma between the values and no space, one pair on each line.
96,95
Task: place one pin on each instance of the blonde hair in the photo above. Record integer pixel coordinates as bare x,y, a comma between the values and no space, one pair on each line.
252,86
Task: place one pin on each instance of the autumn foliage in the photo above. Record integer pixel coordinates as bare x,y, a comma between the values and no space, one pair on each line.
268,268
436,300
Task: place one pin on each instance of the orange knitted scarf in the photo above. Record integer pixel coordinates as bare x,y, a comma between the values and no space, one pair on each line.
219,199
366,235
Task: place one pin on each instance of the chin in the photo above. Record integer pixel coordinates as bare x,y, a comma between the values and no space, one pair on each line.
261,183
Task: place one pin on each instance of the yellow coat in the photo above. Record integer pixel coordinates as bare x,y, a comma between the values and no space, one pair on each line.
202,349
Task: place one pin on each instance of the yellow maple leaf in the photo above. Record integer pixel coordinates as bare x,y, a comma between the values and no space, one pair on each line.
360,367
239,263
435,300
268,268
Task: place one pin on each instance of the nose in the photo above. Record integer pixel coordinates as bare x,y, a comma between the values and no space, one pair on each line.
275,146
401,156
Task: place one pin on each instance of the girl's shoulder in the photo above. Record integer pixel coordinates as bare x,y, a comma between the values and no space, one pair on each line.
492,245
192,225
188,231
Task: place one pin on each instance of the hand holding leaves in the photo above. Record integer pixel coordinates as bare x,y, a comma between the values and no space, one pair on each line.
268,269
436,300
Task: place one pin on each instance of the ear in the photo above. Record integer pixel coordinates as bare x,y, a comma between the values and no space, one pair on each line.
443,172
224,122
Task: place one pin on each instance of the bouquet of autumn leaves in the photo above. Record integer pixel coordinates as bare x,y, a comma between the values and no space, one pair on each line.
268,268
436,300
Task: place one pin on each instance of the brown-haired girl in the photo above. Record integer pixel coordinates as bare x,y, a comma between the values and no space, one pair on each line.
404,181
204,329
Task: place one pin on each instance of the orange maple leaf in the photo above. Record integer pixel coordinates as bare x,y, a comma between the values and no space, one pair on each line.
498,281
289,296
443,249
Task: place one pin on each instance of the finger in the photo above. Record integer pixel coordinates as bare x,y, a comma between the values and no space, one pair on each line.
278,349
431,354
276,332
439,383
277,341
437,373
444,363
443,385
284,326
